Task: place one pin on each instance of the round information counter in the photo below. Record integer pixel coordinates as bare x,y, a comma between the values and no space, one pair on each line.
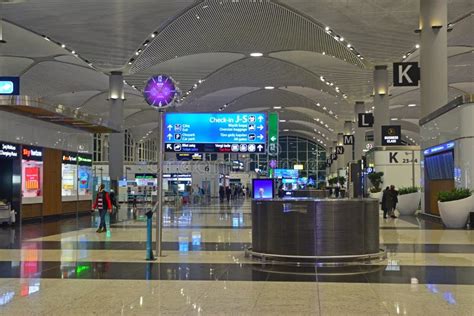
308,228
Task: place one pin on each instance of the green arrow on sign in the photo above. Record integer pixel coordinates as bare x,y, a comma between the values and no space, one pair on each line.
273,134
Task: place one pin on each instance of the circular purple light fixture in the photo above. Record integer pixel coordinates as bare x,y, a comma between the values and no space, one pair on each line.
160,91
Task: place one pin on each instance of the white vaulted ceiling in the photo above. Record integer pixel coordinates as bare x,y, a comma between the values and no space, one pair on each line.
205,46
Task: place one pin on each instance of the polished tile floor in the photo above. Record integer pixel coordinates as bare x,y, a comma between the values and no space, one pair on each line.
63,267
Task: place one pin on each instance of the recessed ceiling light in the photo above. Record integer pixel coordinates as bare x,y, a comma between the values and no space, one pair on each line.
277,107
327,28
269,87
63,46
286,130
282,121
256,54
411,105
341,39
394,119
349,45
417,46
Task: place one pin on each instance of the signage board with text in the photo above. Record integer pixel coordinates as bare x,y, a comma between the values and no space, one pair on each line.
215,132
391,135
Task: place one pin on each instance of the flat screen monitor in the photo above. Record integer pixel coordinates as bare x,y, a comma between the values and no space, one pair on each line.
262,188
440,166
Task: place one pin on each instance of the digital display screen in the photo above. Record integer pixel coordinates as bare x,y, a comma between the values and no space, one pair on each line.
285,173
262,188
441,166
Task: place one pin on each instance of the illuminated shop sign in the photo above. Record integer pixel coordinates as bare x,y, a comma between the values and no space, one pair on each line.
144,176
69,158
438,148
32,153
391,135
84,160
9,85
9,150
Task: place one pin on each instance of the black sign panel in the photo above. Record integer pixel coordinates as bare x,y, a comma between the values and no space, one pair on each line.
9,85
69,158
84,159
340,150
348,140
406,74
333,156
9,151
366,120
328,162
32,153
391,135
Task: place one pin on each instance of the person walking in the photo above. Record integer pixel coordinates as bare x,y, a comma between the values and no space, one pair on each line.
394,201
228,193
103,204
221,193
386,202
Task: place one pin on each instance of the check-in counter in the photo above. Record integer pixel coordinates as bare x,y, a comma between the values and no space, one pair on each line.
315,228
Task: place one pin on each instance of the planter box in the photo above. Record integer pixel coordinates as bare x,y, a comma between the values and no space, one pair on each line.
408,203
377,196
454,214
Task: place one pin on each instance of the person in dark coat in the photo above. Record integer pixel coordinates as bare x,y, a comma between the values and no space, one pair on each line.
394,194
228,193
386,201
221,193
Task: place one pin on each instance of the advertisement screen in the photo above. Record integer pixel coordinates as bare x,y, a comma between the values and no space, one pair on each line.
285,173
262,188
32,179
85,180
69,173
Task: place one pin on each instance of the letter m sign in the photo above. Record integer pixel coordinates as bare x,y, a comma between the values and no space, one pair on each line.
348,140
406,74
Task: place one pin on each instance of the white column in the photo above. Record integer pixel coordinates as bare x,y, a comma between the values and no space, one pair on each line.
359,136
381,110
347,148
433,55
116,140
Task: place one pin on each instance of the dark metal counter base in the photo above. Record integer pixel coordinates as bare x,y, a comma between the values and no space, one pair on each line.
319,261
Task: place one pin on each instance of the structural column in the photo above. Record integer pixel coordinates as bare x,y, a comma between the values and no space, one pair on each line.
341,159
381,104
359,136
347,148
433,55
116,140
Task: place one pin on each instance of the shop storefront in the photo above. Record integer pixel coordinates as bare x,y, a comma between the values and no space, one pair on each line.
10,178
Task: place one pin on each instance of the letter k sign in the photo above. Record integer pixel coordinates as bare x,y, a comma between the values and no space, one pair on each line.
393,157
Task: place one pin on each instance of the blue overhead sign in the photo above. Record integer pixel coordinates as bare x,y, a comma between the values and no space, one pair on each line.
215,132
438,148
9,85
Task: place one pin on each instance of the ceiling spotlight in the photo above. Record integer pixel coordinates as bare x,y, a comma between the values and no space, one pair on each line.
269,87
349,45
327,28
341,39
411,105
256,54
286,130
417,46
153,34
225,105
324,53
277,107
404,56
63,46
318,104
394,119
73,52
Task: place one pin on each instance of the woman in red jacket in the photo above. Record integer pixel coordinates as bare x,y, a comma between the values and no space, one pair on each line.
103,204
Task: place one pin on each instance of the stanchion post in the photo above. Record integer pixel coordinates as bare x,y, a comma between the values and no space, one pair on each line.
159,211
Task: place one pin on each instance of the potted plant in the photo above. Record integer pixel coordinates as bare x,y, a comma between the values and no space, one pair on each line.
341,180
454,207
376,180
408,200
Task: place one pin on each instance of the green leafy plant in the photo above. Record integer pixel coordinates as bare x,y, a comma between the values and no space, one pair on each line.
332,181
376,180
407,190
341,180
453,195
